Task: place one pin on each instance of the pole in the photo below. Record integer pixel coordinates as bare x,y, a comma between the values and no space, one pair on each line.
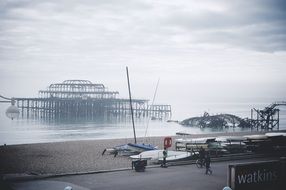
152,106
130,101
278,120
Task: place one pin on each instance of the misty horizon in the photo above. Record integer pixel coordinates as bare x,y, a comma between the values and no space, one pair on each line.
203,52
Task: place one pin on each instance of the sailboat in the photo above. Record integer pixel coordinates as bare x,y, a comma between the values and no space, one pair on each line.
130,148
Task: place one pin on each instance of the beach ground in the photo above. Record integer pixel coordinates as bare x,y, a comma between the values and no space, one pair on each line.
73,156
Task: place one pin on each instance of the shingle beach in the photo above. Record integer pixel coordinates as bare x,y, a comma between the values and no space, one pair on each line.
71,156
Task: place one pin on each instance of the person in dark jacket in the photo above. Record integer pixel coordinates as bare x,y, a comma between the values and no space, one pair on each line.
202,155
165,154
208,164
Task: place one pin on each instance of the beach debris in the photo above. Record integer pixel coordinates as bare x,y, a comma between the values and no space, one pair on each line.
216,121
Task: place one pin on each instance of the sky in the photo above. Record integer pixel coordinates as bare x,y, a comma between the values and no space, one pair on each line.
202,51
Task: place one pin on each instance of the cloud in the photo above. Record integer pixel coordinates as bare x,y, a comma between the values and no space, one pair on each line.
256,25
55,28
145,33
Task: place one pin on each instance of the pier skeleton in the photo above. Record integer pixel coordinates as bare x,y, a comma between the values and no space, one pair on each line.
82,99
268,118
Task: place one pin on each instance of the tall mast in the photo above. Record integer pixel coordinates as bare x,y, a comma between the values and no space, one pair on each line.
152,105
130,100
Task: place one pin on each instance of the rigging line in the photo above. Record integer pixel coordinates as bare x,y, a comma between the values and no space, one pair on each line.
152,106
130,100
5,98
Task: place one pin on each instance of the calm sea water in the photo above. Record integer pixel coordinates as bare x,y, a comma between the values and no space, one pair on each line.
23,131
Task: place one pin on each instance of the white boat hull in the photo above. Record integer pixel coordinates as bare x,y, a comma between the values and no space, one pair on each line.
158,155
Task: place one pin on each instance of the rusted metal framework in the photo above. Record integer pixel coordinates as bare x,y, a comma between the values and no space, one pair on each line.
83,89
160,111
82,99
268,118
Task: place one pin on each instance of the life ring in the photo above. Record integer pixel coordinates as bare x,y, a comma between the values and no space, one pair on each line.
167,142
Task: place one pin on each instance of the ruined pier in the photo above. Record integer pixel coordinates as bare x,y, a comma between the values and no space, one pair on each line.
82,99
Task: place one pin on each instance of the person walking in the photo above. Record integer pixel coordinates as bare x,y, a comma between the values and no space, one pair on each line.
165,154
208,164
202,155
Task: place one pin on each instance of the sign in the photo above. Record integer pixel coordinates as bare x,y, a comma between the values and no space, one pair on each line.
258,175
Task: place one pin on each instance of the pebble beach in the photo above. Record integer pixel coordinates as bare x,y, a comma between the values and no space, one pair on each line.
64,157
74,156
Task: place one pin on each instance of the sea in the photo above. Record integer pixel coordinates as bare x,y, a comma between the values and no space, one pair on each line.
27,131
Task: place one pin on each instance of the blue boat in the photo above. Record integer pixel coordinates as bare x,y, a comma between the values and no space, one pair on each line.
141,147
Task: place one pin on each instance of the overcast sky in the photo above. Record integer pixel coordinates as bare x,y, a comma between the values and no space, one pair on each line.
201,50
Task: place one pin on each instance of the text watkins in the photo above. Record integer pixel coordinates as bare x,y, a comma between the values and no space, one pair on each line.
259,176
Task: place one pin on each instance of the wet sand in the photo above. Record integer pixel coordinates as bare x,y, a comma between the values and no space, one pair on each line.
73,156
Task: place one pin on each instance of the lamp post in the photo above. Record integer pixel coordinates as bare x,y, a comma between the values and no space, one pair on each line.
12,111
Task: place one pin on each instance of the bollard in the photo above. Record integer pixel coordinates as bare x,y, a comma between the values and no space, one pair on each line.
139,165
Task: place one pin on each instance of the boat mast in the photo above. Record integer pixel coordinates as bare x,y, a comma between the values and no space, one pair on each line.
151,107
130,100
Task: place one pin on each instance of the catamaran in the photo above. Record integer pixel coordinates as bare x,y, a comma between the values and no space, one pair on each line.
130,148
